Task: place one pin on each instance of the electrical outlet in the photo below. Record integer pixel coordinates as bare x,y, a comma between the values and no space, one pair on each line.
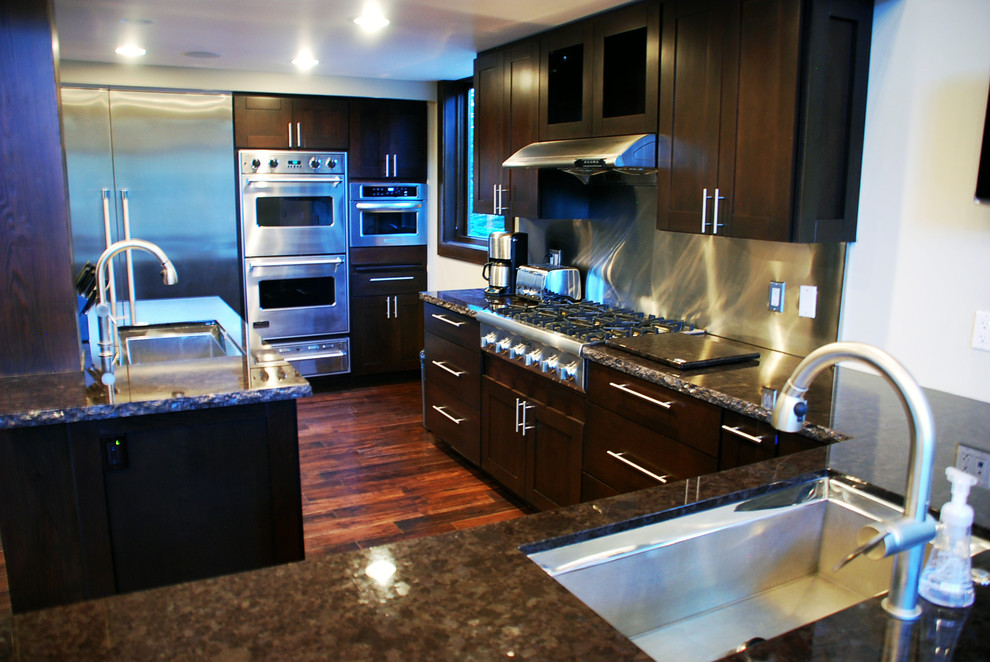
974,462
777,296
981,331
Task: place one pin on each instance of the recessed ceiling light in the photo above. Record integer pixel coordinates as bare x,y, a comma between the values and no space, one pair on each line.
371,19
130,50
305,61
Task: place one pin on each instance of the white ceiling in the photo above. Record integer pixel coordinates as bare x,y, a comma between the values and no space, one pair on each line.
426,40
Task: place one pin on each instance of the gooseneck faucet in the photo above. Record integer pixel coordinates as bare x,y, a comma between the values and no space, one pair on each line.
905,538
106,339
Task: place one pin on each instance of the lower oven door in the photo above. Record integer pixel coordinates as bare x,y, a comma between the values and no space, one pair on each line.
319,356
296,297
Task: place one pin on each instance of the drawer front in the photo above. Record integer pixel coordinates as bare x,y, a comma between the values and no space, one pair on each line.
457,328
675,415
745,440
792,442
608,435
454,368
398,280
454,422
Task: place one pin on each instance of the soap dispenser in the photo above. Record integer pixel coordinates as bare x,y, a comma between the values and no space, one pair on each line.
946,578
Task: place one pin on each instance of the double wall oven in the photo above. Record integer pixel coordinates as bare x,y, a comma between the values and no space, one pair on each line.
294,232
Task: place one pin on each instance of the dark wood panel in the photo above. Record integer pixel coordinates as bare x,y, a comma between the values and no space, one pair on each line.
454,421
738,449
555,471
462,375
38,311
262,122
504,453
457,328
398,279
323,122
489,130
537,387
521,118
388,255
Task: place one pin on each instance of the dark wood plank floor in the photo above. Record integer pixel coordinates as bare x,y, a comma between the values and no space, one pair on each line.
371,474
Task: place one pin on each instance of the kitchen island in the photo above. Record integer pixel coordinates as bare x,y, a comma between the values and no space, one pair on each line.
472,594
180,469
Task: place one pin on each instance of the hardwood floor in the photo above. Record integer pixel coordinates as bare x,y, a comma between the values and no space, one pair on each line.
371,474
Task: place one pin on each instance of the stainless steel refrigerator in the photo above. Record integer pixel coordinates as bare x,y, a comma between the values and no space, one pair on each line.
170,158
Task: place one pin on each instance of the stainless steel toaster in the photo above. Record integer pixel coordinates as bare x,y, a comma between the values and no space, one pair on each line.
542,281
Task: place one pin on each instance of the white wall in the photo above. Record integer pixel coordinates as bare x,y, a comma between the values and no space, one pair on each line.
920,267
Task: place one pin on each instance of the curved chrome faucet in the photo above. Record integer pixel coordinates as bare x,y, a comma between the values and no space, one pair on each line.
107,338
907,537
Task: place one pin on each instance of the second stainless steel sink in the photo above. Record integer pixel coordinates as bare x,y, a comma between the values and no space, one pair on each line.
181,341
697,586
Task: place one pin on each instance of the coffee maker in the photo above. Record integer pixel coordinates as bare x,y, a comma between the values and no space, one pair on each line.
506,252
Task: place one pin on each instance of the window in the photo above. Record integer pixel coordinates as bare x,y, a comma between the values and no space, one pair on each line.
463,234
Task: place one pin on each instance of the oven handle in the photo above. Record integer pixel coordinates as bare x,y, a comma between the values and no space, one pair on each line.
318,179
294,263
335,354
387,207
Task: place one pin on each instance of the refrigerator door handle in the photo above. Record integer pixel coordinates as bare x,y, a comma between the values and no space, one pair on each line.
125,205
108,239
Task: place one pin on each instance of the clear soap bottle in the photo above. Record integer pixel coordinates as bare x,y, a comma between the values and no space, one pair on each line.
946,578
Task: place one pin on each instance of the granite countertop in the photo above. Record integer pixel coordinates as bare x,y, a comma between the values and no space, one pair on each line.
260,375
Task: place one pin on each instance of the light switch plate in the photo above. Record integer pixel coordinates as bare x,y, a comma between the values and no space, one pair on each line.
776,296
808,301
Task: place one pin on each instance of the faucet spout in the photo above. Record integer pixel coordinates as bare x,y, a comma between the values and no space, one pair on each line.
107,338
907,536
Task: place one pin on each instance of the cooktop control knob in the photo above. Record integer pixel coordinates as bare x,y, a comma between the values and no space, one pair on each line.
488,339
533,357
331,163
517,350
314,163
273,163
548,364
567,371
503,344
255,163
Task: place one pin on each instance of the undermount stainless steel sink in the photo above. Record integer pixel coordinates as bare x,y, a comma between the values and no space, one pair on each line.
181,341
697,586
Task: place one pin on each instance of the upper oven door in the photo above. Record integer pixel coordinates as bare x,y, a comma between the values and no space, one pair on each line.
388,223
293,215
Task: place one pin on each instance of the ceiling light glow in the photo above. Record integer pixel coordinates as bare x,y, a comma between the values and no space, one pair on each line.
305,61
371,19
130,50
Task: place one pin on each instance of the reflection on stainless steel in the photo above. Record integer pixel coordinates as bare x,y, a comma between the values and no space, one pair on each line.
906,536
718,283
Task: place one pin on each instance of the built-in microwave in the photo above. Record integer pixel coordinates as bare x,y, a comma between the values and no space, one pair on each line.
387,214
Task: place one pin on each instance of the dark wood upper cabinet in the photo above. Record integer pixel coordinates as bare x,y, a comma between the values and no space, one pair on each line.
388,140
506,108
600,76
762,108
280,122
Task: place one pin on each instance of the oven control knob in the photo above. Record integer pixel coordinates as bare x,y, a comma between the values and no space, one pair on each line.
567,371
548,364
255,163
533,357
331,163
273,163
503,344
488,339
314,163
517,350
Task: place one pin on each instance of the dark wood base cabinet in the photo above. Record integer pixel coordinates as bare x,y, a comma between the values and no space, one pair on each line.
103,507
531,435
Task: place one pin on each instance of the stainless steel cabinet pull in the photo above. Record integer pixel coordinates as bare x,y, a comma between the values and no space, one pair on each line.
395,164
383,279
625,389
525,406
290,134
745,435
387,165
704,209
455,373
715,223
395,307
642,470
494,198
458,421
388,308
448,321
299,134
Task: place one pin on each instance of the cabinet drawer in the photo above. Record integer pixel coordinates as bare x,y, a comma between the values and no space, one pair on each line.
452,326
454,368
608,435
745,440
792,442
454,422
678,416
387,280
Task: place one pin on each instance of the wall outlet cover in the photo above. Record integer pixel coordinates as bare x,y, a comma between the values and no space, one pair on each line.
975,462
777,296
981,331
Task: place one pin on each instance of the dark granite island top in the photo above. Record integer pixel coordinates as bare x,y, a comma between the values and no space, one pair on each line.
260,375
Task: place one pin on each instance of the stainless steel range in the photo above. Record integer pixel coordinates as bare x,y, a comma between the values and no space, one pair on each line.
549,336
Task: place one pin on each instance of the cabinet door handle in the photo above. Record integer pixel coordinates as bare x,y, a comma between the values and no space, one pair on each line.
704,209
745,435
386,166
457,421
388,308
395,164
455,373
523,406
382,279
290,134
395,307
715,223
620,457
299,134
448,321
625,389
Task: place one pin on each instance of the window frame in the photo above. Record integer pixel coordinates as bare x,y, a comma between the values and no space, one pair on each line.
452,217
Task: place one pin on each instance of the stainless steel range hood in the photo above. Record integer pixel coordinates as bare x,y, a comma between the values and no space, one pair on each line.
584,157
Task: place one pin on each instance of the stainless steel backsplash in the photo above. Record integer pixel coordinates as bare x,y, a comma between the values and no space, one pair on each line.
718,283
